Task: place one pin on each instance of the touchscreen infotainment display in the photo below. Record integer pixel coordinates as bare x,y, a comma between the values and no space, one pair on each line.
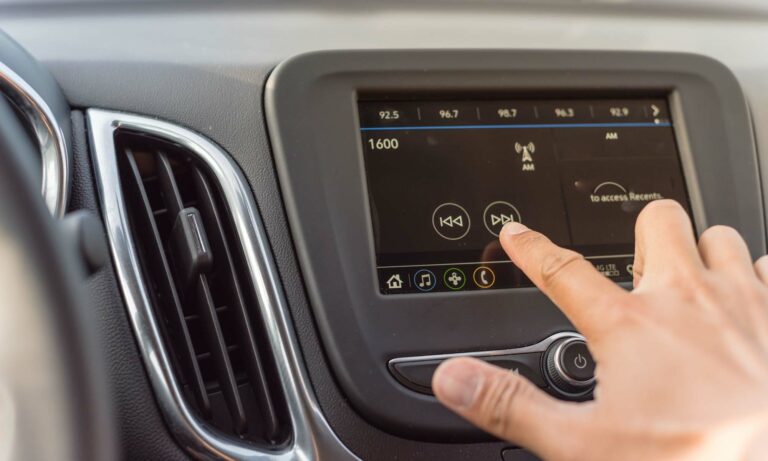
444,176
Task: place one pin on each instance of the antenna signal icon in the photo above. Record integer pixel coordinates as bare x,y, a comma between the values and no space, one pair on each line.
526,150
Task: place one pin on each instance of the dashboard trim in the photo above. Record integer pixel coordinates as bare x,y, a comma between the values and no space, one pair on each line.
312,436
540,346
49,135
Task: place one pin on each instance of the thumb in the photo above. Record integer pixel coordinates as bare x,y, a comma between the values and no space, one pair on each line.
510,407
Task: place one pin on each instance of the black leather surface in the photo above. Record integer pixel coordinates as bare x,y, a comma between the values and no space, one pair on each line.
225,104
140,428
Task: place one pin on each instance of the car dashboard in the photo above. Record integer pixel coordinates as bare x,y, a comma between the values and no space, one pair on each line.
301,203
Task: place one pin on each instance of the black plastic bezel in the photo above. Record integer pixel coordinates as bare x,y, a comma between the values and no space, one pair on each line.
311,103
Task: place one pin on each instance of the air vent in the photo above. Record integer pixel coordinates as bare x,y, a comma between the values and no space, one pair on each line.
195,268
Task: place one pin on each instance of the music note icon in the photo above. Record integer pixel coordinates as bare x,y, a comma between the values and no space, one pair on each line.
424,280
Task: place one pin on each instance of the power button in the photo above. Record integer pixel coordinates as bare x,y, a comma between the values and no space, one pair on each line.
570,368
577,361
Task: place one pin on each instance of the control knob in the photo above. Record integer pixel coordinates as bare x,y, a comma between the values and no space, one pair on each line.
569,367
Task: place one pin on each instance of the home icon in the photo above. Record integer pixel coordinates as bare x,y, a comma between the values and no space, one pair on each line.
395,282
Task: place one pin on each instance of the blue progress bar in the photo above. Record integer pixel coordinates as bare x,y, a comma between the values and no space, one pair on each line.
530,125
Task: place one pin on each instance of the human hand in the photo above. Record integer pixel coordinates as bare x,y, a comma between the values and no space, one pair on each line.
682,360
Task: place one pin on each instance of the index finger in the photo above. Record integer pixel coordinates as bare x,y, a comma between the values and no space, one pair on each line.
584,295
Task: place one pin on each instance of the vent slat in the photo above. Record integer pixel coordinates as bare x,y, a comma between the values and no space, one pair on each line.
171,195
206,307
219,354
247,340
153,249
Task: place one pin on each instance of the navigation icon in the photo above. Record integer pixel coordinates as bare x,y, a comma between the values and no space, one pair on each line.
451,221
497,214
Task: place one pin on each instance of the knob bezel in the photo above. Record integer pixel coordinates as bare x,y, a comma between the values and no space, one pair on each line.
552,358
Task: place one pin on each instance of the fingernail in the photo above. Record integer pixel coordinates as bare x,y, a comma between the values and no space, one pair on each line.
457,385
513,228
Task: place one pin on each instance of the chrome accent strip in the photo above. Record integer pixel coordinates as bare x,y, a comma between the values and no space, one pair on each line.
312,437
50,138
541,346
557,354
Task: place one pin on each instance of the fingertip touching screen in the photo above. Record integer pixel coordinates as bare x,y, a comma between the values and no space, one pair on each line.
445,175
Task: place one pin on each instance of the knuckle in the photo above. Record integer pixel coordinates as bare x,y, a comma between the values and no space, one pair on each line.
498,401
684,279
718,233
761,268
688,281
750,287
527,241
762,262
555,264
754,294
700,290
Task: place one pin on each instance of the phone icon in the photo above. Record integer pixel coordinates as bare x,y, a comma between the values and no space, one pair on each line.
484,277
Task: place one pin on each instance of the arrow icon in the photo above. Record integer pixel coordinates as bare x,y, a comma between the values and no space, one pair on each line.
451,221
501,219
655,110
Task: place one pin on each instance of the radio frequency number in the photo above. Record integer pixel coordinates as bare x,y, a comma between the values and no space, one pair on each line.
507,113
449,113
564,112
619,112
389,114
383,143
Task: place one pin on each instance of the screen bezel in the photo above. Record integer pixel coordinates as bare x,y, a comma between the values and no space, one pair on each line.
312,116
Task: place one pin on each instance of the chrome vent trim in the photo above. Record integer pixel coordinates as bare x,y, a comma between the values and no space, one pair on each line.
312,437
50,138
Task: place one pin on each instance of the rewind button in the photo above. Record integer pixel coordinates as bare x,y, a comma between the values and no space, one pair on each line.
451,221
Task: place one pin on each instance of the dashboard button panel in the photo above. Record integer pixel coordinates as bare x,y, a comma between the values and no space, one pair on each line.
416,374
